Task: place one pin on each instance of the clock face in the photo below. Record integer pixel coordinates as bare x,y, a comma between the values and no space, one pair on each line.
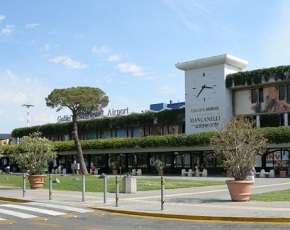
204,88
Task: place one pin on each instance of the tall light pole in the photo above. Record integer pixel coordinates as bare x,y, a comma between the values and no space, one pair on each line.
28,106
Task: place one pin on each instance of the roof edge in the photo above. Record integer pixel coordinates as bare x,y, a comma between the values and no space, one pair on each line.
210,61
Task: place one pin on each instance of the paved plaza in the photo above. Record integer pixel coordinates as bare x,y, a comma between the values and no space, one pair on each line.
203,203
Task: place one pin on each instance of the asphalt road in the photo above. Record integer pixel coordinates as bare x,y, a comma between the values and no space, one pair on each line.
70,218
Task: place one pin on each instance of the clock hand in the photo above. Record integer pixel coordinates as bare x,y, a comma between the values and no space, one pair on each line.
200,91
209,87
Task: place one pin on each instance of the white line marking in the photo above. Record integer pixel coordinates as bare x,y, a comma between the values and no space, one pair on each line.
32,209
18,214
67,208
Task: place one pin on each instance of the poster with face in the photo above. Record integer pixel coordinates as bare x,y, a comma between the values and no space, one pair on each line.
264,100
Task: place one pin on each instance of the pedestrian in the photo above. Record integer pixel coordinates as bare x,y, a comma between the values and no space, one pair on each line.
251,174
201,168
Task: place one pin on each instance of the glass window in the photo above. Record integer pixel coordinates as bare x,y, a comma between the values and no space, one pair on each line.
288,93
138,133
165,130
182,160
98,135
99,161
121,133
156,130
146,132
90,136
282,92
136,161
174,129
254,96
107,134
129,132
261,95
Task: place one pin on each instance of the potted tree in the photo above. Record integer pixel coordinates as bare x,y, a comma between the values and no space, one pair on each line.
33,154
237,143
159,166
281,167
113,167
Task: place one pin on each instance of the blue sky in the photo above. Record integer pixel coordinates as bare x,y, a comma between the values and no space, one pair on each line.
128,48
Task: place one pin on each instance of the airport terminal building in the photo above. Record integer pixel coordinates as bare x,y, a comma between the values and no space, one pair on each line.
216,88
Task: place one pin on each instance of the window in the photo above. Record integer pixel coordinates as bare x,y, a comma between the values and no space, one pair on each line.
106,134
254,96
288,92
257,95
282,92
122,133
90,136
138,133
261,95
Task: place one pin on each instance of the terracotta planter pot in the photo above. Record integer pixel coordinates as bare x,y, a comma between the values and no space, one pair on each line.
36,181
240,190
282,173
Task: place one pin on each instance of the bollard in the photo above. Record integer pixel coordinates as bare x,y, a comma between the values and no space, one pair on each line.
117,190
24,184
105,188
162,193
83,187
50,186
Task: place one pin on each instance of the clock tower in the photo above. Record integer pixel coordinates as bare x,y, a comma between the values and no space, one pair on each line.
207,100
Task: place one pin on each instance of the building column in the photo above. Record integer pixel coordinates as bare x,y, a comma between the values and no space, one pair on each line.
258,121
285,119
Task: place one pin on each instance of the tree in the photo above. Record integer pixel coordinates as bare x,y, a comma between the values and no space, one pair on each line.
33,153
237,144
82,101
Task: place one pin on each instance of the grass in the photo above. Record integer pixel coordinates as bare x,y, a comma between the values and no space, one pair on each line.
95,184
282,195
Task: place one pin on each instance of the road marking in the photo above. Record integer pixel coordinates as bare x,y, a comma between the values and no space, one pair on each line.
67,208
17,214
32,209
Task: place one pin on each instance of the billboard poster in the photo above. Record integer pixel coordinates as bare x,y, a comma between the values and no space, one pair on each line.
275,156
272,99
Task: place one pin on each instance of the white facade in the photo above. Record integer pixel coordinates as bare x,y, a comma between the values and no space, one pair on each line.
207,100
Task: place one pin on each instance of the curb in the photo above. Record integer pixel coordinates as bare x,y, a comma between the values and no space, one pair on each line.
15,200
199,218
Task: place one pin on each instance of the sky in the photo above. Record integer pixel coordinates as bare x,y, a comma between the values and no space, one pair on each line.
127,48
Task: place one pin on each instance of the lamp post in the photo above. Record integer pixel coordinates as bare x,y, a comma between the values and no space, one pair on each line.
28,106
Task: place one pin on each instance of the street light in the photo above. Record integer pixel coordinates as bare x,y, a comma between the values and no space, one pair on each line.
27,106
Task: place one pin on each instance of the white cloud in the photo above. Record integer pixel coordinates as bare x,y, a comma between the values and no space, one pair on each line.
11,77
17,90
2,17
31,26
47,46
131,68
189,12
68,62
101,50
13,97
114,58
167,89
8,30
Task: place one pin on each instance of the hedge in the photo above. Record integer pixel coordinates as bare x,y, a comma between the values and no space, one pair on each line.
275,135
165,117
